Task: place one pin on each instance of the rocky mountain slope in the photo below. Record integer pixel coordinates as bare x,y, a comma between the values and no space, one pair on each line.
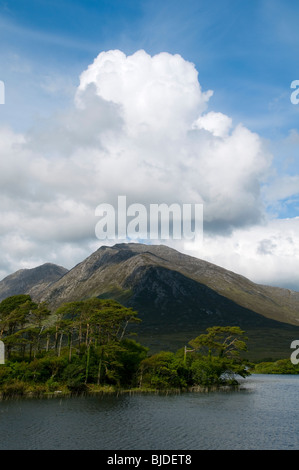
165,276
29,280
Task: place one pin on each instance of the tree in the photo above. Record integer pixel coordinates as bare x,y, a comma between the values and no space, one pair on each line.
36,318
218,354
14,313
101,325
222,341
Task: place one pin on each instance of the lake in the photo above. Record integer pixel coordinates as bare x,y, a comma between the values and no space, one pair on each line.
263,414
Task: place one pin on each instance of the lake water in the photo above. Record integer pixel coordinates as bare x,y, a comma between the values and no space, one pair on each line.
263,414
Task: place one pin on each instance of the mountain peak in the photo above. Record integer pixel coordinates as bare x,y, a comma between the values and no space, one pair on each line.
24,280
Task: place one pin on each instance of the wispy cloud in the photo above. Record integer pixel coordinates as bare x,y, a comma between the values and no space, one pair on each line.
21,33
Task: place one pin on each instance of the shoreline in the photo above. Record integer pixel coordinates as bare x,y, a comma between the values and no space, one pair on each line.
105,391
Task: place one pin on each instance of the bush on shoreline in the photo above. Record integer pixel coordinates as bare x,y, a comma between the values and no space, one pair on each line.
282,366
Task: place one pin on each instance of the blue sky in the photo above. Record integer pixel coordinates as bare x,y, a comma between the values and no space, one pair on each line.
246,51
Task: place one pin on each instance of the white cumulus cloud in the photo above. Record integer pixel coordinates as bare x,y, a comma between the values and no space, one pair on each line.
140,126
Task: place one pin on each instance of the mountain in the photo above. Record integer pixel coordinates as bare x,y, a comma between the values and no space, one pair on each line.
130,270
27,281
179,296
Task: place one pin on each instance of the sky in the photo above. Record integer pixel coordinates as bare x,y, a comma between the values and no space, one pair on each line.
162,102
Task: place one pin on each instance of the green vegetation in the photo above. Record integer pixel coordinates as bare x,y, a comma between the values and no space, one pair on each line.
85,347
283,366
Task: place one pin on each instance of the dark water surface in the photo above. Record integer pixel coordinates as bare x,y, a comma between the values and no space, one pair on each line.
264,414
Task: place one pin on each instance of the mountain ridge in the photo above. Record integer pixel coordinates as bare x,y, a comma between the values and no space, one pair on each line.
109,266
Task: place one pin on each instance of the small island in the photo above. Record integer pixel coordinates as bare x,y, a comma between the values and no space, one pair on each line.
85,347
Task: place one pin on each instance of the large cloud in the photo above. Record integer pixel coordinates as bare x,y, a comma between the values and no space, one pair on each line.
140,126
159,94
267,254
169,142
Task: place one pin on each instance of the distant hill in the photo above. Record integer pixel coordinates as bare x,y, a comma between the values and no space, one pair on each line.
27,281
177,296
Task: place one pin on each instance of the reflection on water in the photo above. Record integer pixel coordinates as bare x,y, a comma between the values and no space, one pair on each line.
262,415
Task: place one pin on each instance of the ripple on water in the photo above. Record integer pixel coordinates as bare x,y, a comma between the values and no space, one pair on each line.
262,415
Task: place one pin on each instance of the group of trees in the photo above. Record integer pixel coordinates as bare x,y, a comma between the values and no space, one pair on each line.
213,358
86,343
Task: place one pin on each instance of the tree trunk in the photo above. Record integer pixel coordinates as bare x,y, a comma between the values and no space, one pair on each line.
99,370
87,364
80,334
60,342
48,343
124,330
70,345
87,331
56,338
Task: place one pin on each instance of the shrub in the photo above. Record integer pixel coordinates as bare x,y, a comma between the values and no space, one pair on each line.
13,389
162,370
